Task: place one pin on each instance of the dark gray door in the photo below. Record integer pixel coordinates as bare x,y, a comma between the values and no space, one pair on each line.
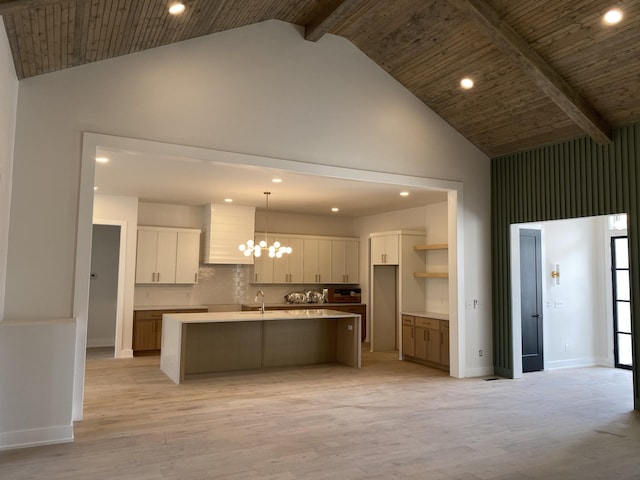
531,300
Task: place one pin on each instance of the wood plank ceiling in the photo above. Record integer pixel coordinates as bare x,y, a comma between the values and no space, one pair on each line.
544,71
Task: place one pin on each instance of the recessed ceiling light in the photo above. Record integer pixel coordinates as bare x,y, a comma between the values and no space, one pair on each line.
335,209
228,200
176,8
276,180
466,83
612,17
404,194
102,159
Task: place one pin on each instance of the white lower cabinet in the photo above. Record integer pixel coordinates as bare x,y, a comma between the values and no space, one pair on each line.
167,255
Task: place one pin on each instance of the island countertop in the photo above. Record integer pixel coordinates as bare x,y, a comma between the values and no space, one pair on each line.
207,342
252,316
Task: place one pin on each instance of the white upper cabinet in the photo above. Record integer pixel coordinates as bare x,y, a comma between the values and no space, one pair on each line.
167,255
225,228
187,256
317,260
288,269
345,261
314,260
385,249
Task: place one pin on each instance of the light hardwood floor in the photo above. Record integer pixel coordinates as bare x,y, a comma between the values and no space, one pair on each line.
388,420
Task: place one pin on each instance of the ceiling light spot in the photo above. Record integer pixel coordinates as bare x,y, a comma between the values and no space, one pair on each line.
612,17
276,180
176,8
335,209
404,194
466,83
95,188
102,159
228,200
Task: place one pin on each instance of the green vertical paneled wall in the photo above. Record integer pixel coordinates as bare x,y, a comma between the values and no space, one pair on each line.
578,178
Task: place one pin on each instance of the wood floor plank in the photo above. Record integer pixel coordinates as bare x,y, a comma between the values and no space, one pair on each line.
389,419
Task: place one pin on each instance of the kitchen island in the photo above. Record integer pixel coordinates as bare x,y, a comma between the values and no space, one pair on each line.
197,343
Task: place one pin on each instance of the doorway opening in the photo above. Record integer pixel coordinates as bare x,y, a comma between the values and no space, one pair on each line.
579,272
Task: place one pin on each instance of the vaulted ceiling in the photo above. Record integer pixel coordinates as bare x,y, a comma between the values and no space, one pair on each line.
544,71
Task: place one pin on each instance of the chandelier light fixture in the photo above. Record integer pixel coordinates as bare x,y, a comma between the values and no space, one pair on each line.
275,250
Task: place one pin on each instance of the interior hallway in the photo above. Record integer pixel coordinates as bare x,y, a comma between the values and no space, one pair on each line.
389,419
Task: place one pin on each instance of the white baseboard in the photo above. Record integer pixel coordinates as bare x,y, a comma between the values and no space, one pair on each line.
126,354
572,363
36,437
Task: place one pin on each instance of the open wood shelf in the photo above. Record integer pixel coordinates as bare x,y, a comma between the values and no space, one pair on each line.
431,275
437,246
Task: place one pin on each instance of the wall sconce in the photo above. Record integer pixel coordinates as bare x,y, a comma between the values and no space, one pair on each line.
555,274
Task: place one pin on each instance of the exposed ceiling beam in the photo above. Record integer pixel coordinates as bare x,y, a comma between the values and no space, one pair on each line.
537,69
330,15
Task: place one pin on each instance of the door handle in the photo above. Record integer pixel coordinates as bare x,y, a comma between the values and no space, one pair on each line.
539,315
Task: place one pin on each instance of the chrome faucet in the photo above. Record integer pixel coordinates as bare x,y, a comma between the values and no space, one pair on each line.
260,293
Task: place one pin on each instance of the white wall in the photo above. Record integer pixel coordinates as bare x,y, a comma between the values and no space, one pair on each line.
575,319
36,355
8,105
248,90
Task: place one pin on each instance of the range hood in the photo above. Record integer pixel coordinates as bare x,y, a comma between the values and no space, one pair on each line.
225,227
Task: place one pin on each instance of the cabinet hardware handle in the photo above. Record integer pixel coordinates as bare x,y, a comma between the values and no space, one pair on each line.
424,335
195,277
158,276
255,275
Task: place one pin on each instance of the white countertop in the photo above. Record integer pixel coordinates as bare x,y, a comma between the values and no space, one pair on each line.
250,316
169,307
437,316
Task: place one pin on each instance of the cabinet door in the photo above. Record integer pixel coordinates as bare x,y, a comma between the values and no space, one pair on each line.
263,269
352,261
146,255
288,268
408,340
433,345
421,343
444,344
295,259
392,249
187,257
378,249
317,260
338,261
146,335
166,259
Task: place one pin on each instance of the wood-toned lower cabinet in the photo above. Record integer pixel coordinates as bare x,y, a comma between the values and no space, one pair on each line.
408,335
147,329
444,343
425,340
